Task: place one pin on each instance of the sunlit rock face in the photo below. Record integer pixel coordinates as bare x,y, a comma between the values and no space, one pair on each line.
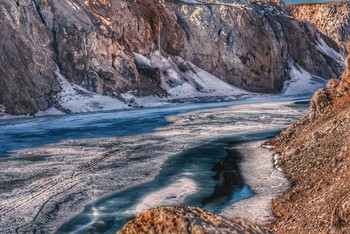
181,219
332,19
314,151
245,43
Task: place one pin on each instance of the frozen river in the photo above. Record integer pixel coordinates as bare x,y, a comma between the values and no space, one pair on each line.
75,173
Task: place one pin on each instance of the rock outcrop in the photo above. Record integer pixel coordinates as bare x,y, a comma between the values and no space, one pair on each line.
27,81
181,219
248,44
332,19
315,156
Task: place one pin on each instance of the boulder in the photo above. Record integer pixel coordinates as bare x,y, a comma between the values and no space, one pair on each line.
186,220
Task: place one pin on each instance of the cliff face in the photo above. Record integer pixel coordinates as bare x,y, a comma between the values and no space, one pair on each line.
27,81
316,158
93,42
332,19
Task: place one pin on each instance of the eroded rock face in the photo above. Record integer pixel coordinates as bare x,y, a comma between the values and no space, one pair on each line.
27,80
318,201
318,103
244,43
181,219
332,19
345,78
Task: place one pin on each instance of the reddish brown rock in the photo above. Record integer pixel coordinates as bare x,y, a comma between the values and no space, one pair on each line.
247,44
186,220
332,18
332,84
318,201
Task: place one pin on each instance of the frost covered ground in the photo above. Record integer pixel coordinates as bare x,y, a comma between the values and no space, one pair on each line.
53,170
264,180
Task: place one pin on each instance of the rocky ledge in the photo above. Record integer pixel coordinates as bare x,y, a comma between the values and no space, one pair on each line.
181,219
315,155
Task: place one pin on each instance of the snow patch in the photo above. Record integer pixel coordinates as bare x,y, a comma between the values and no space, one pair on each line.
330,52
76,99
191,2
2,111
2,108
182,79
48,112
142,60
301,81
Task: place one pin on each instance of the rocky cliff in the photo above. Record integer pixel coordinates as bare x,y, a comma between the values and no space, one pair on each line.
93,43
315,156
332,19
180,219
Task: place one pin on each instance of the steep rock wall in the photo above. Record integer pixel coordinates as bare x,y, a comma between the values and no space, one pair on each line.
246,44
332,19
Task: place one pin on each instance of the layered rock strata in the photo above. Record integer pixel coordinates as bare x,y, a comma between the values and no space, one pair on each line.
332,19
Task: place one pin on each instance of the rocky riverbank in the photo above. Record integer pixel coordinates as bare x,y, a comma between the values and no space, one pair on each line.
315,155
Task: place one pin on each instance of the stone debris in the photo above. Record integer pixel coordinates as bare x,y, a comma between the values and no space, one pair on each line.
315,157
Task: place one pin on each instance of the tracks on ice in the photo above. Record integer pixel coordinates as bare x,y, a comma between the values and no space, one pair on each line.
45,192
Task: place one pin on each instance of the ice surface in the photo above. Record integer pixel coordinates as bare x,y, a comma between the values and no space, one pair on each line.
50,183
265,180
173,194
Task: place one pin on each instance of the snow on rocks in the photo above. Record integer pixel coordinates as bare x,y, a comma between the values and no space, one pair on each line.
50,111
268,146
301,81
330,52
75,99
2,111
182,79
191,2
2,108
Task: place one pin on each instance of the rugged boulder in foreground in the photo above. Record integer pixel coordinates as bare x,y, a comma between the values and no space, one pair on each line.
315,155
249,44
181,219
